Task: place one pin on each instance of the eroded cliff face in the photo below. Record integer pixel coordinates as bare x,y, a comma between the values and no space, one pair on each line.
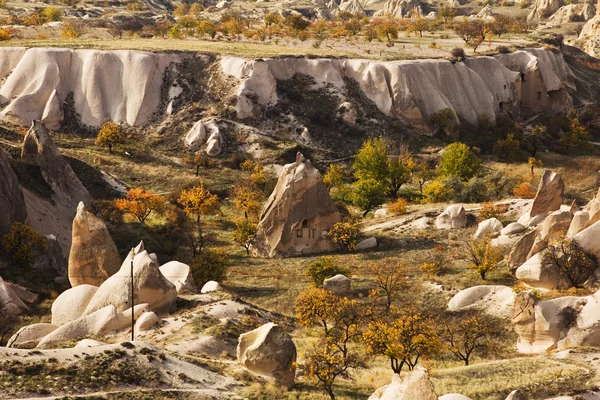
413,91
590,34
123,86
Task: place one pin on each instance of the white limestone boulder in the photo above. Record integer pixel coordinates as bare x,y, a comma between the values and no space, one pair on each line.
196,136
416,385
489,227
339,284
550,194
214,144
89,343
369,243
178,272
493,300
513,228
454,396
71,304
269,351
30,335
146,321
211,286
455,216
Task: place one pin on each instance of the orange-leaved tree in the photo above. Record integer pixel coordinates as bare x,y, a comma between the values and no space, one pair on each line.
140,203
199,201
109,135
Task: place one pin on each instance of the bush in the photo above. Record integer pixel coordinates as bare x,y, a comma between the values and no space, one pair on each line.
458,54
444,122
459,160
436,192
324,268
525,191
210,265
71,29
23,244
398,207
52,13
490,210
503,49
368,194
345,234
482,256
575,264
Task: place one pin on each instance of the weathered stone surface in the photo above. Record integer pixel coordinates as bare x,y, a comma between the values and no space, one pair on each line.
214,144
543,9
71,304
588,239
39,148
352,6
493,300
454,396
297,214
196,136
550,194
269,351
416,385
516,395
29,336
27,296
455,216
535,273
146,321
150,286
369,243
590,34
520,250
578,223
489,227
512,229
401,9
88,343
12,202
556,224
347,113
340,285
94,256
211,286
10,304
177,272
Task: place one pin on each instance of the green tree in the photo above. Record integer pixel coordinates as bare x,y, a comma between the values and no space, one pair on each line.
400,169
210,265
460,161
244,233
368,194
577,138
23,244
323,268
371,161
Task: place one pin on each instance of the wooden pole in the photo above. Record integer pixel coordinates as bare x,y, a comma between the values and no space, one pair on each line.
132,301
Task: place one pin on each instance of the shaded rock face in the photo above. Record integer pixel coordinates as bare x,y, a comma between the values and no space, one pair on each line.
10,304
550,194
416,385
269,351
150,287
12,202
455,216
556,324
543,9
39,148
94,256
297,215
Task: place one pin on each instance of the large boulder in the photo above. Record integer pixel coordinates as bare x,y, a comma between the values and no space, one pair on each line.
196,136
149,286
146,321
10,304
94,256
520,250
489,227
556,224
29,336
269,351
340,285
71,304
401,9
590,35
416,385
211,286
493,300
40,149
535,273
549,196
455,216
12,202
513,228
180,275
297,215
556,324
543,9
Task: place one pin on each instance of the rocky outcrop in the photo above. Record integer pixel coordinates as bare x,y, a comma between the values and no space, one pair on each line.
149,285
401,9
40,149
180,275
353,7
416,385
123,86
269,351
10,304
12,202
556,324
489,227
71,304
415,90
550,194
29,336
94,256
573,13
297,215
543,9
590,35
146,321
455,216
493,300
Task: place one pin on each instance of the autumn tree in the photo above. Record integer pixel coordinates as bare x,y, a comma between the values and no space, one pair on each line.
23,244
502,24
141,203
368,194
447,13
482,256
199,201
473,32
345,234
399,172
325,267
418,26
244,233
468,333
109,135
459,160
422,173
387,29
405,340
334,178
389,278
247,200
568,257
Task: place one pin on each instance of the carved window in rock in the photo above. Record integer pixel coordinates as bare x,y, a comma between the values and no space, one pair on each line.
299,233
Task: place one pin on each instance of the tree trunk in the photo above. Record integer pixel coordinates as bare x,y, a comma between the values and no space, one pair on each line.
109,148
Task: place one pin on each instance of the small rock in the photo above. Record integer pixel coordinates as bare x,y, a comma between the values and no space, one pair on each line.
366,244
211,286
340,285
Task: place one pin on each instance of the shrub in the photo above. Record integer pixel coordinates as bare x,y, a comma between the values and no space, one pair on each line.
23,243
71,29
345,234
509,149
575,264
368,194
444,122
6,34
398,207
324,268
210,265
436,192
490,210
52,13
458,53
459,160
109,135
503,49
482,256
525,191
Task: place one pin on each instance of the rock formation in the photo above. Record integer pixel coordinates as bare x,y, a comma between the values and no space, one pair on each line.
556,324
150,287
549,196
71,304
146,321
39,148
10,304
94,256
29,336
416,385
340,285
493,300
489,227
401,9
211,286
455,216
572,12
297,215
12,202
180,275
269,351
543,9
123,86
590,35
353,7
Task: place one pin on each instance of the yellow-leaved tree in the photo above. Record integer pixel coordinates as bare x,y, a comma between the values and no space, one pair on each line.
109,135
140,203
198,201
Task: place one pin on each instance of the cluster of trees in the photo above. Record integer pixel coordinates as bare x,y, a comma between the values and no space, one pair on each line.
385,325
